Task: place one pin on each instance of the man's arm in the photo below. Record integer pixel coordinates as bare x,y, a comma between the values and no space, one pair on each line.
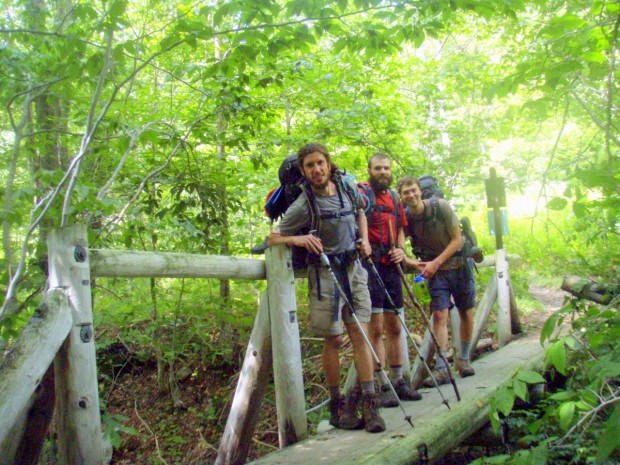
308,242
362,225
456,243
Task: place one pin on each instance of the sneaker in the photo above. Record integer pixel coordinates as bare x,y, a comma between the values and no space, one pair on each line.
405,392
464,368
387,397
349,412
441,376
374,423
335,405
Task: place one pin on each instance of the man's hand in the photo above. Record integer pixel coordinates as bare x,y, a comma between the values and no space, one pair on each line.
397,255
428,269
309,242
365,249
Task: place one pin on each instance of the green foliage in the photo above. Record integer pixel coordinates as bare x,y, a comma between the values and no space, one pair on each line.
578,420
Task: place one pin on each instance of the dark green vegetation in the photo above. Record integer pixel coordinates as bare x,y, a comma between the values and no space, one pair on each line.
161,124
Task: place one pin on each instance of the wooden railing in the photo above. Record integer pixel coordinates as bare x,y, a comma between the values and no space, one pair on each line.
61,331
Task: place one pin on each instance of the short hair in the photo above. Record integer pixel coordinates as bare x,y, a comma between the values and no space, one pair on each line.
307,149
378,156
407,181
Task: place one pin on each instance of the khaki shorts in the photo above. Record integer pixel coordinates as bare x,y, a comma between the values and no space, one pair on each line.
324,320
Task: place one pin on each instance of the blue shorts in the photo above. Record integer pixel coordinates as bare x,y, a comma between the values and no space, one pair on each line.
459,284
391,279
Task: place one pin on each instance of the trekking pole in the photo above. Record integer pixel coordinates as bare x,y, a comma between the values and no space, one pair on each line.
424,317
377,276
325,262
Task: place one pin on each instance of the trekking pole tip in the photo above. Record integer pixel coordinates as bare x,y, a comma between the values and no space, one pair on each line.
447,404
408,418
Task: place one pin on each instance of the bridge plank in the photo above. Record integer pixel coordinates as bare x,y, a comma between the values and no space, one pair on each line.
436,428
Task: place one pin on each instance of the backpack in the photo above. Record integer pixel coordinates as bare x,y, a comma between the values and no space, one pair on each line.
371,206
292,185
431,190
430,187
279,199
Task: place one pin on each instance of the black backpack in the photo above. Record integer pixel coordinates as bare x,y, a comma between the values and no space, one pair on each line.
292,185
431,190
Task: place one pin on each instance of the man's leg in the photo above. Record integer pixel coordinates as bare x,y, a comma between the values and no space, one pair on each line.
363,360
331,365
463,365
440,326
375,335
394,352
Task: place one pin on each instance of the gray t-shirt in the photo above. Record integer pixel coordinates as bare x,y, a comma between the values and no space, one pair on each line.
337,234
433,234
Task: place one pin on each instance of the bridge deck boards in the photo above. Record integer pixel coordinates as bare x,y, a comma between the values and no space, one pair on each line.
436,428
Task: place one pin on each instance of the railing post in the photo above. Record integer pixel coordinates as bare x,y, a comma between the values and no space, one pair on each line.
286,350
250,392
79,424
504,325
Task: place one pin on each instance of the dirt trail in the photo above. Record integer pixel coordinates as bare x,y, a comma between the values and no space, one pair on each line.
551,298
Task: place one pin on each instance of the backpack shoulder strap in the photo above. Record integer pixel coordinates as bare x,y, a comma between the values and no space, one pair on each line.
315,215
395,204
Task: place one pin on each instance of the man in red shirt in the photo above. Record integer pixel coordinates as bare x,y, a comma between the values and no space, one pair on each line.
384,208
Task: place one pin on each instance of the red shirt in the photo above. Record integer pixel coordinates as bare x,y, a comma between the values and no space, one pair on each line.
378,229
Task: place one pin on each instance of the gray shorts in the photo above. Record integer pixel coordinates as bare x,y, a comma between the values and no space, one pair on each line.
325,319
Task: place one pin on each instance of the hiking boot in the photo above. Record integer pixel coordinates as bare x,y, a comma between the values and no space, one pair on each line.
405,392
441,376
370,410
349,412
464,368
387,397
335,406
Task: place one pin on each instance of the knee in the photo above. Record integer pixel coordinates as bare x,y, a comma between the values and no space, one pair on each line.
333,342
393,328
440,317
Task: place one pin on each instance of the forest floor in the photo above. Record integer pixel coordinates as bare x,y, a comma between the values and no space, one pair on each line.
188,431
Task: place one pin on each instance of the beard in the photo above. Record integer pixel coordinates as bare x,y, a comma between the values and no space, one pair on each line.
379,184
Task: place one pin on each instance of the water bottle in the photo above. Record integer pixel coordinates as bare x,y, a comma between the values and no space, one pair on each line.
421,290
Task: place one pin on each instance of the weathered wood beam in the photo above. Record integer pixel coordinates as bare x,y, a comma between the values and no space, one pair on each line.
590,290
287,366
504,324
483,310
250,391
79,424
23,367
136,264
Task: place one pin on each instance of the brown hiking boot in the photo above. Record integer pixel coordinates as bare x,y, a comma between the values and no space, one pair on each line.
405,392
464,368
335,405
387,398
370,410
349,412
441,376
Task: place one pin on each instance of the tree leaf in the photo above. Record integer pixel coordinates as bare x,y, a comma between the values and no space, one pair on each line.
530,377
505,400
609,441
556,355
566,411
520,389
557,203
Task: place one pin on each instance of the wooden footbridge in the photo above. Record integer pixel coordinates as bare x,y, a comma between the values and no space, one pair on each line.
53,363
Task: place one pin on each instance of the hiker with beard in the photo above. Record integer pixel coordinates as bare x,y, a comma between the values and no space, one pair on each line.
339,215
384,208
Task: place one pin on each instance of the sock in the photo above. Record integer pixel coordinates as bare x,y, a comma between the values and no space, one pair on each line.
441,365
396,372
465,349
381,377
368,388
334,392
